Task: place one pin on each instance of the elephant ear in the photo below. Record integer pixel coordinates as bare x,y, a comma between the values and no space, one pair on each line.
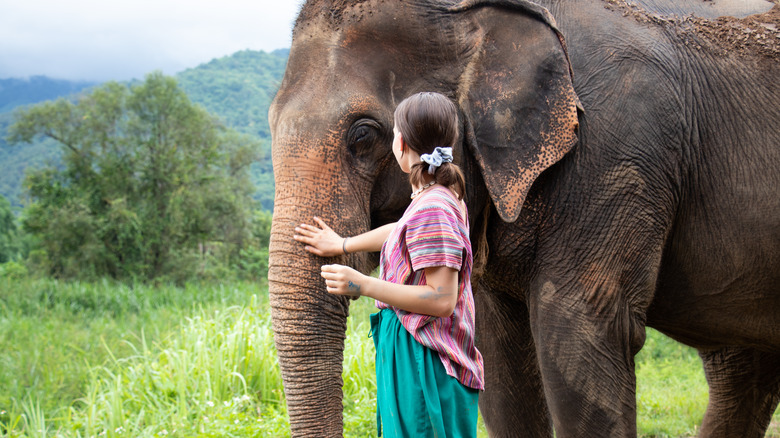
517,97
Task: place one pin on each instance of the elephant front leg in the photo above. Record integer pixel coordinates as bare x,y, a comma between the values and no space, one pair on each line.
586,341
513,403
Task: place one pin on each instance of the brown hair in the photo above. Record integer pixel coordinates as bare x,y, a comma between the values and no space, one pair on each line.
426,121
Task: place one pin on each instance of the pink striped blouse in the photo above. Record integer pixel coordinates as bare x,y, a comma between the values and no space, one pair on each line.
434,232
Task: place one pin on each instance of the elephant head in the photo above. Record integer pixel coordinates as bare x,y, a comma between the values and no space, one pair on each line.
502,62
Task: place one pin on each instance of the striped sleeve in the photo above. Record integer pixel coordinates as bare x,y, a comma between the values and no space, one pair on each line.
432,238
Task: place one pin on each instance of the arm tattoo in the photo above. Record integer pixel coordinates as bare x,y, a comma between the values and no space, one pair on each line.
354,288
429,295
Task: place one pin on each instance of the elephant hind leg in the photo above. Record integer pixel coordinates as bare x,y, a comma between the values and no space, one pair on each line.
744,391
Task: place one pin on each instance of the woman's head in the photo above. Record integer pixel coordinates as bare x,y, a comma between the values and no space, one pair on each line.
426,121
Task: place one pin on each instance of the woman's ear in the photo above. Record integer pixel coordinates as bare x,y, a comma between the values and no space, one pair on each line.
517,96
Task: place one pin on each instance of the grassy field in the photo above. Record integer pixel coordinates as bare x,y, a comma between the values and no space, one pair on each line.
105,359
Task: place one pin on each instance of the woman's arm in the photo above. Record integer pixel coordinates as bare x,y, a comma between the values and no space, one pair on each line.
324,242
370,241
437,297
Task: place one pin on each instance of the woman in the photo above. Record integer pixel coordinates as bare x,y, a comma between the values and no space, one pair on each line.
429,372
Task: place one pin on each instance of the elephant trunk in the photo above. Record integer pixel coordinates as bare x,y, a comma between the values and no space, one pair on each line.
310,328
312,179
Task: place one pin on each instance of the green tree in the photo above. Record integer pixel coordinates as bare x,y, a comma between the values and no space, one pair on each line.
9,240
253,263
151,186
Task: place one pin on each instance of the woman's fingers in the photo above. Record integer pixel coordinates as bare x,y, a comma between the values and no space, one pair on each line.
333,273
330,271
314,250
311,230
323,241
303,239
307,230
322,224
310,245
333,278
312,237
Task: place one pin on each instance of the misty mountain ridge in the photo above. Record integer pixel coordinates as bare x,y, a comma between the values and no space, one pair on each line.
15,92
237,89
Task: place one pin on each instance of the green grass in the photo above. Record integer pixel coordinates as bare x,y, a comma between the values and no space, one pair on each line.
671,390
106,359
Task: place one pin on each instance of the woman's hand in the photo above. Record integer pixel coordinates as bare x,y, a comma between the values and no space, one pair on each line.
438,297
322,241
343,280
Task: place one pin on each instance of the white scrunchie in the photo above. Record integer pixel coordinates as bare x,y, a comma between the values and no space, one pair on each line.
436,158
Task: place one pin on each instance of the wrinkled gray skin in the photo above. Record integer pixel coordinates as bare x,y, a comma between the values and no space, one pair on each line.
663,211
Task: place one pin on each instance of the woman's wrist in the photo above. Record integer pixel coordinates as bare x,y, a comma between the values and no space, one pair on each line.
344,246
368,283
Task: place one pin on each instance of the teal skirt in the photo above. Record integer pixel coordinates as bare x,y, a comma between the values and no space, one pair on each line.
415,395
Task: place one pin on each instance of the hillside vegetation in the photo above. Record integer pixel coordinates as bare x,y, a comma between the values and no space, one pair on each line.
237,89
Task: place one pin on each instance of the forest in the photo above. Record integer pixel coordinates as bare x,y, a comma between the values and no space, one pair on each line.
237,89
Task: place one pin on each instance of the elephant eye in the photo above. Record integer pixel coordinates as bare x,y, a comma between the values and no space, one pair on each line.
362,134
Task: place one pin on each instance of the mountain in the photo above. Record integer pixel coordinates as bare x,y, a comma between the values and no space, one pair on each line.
17,92
237,89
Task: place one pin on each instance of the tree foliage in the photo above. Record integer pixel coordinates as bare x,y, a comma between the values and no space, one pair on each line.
253,262
151,185
239,88
9,240
15,161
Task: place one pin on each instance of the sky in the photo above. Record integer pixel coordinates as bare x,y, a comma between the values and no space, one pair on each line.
100,40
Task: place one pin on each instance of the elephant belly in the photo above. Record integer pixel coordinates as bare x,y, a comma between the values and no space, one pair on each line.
717,288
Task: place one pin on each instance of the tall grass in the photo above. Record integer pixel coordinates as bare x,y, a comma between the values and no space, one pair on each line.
85,359
53,333
105,359
216,374
162,361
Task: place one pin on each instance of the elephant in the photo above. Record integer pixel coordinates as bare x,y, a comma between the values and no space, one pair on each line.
621,162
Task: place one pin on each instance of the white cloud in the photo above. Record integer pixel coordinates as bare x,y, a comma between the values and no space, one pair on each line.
124,39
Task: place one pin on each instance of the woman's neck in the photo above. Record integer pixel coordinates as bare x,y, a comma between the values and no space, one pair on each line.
426,181
417,190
